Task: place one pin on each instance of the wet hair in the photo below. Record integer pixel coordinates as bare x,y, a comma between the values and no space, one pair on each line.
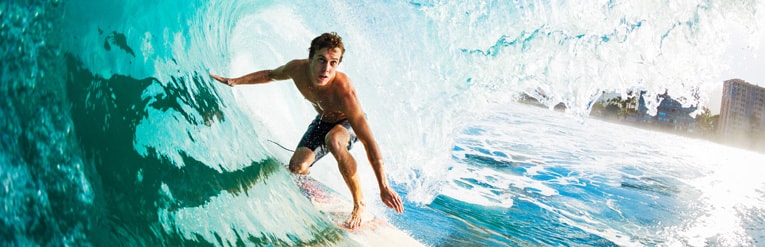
326,40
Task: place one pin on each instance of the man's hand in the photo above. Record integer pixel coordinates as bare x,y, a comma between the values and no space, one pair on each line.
224,80
392,200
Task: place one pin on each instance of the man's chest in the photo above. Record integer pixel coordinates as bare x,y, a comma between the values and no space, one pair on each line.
324,100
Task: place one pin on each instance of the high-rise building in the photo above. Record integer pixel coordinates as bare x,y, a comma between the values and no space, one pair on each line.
742,113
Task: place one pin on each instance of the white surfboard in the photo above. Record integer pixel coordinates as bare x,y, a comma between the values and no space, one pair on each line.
374,231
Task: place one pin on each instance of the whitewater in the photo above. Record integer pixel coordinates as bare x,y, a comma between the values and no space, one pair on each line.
113,132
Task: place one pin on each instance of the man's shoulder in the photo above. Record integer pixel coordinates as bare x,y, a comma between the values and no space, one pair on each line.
344,81
296,63
342,77
295,68
344,86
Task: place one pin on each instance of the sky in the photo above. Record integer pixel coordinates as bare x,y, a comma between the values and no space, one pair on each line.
745,60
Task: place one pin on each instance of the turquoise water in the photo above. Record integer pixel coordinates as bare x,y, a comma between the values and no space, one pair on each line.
112,132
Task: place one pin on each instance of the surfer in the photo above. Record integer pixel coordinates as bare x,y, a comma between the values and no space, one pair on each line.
339,123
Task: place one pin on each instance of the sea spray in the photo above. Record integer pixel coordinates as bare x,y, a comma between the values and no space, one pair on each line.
450,60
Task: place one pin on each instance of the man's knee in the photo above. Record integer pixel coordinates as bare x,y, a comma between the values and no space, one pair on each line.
337,141
299,167
301,161
335,146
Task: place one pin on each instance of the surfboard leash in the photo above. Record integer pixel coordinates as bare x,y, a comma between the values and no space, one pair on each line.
281,146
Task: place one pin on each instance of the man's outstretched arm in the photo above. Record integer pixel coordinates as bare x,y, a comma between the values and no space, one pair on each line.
263,76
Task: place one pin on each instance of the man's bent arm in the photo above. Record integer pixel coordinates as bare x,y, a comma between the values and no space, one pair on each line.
388,195
361,128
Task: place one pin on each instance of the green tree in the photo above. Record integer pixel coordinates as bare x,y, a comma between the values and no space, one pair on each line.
706,123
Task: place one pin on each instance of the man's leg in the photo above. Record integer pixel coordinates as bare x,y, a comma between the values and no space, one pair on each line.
301,160
337,142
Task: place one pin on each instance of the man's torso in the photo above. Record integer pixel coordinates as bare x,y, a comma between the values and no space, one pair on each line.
327,102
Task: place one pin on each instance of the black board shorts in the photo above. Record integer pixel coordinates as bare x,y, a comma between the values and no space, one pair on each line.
316,133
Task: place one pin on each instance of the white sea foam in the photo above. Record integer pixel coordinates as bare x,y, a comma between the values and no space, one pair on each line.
617,182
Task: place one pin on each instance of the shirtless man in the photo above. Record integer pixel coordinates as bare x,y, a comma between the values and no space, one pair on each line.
340,121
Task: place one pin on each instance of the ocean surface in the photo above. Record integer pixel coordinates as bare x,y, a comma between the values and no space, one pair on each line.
114,134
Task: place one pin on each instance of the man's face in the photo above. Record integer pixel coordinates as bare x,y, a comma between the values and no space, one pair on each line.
324,65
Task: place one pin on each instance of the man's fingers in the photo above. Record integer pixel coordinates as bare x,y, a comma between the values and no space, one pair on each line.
399,205
222,79
392,200
396,204
390,204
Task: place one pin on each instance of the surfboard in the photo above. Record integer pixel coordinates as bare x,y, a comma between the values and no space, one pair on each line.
374,231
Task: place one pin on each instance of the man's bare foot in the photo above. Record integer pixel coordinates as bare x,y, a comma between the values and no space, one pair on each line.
355,220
